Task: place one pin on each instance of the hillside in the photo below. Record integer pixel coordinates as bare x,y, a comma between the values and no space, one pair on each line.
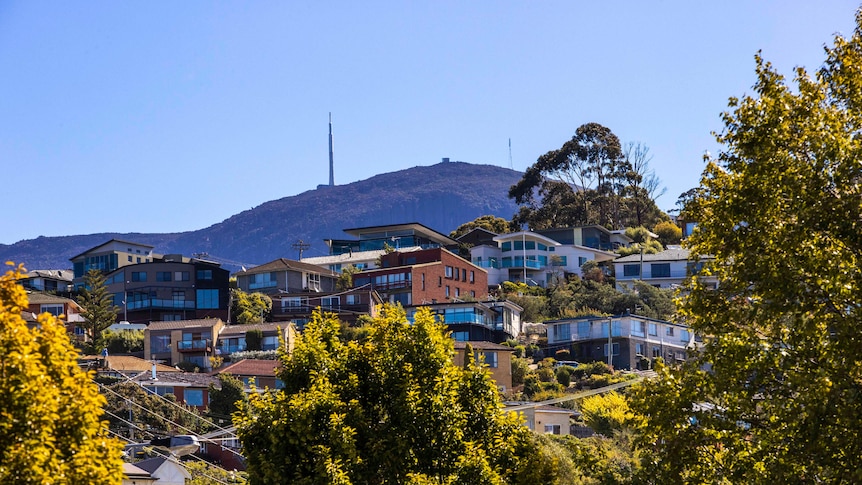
440,196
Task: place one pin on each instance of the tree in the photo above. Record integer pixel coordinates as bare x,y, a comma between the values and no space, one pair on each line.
224,401
97,308
254,339
391,409
250,308
668,233
492,223
641,185
123,341
345,279
779,211
50,410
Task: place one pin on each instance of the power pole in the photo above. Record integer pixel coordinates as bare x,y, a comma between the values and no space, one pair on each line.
300,246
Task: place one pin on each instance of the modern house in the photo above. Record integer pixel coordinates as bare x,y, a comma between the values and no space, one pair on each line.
39,303
497,357
348,305
263,372
476,321
286,276
666,269
175,342
108,257
57,281
633,339
541,257
424,277
395,236
169,288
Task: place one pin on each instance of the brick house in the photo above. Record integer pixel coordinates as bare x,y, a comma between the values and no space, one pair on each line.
497,357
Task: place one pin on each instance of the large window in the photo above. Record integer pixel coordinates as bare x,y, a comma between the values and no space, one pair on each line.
313,281
138,276
552,428
584,330
330,302
616,348
490,358
660,270
160,390
164,276
194,397
181,275
616,329
638,328
631,270
205,274
506,246
207,299
55,310
160,343
562,331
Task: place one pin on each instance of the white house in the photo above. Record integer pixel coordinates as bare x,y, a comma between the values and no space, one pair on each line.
667,269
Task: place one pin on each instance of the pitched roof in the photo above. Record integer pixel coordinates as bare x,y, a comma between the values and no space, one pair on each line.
134,472
283,264
60,274
251,367
128,363
459,345
182,324
109,242
36,297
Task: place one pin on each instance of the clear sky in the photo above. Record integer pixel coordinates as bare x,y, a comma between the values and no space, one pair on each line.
165,116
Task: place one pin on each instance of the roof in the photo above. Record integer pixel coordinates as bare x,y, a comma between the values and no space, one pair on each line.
479,345
59,274
109,242
135,472
181,324
553,409
128,363
251,367
354,256
178,379
415,226
36,297
527,234
241,329
153,464
283,264
673,254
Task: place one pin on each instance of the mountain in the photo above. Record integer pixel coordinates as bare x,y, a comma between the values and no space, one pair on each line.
441,196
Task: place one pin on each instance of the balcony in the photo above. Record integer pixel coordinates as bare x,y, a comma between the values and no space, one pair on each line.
156,303
203,345
519,263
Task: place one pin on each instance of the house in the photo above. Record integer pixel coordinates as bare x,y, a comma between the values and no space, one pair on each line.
189,388
541,257
547,419
497,357
48,280
168,471
124,366
233,338
176,342
263,372
108,257
425,276
348,305
494,321
633,339
286,276
666,269
39,303
132,475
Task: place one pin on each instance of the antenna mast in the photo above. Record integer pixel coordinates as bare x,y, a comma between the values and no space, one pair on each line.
511,167
331,165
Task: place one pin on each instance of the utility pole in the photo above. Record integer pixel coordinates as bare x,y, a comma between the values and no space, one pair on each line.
300,246
610,344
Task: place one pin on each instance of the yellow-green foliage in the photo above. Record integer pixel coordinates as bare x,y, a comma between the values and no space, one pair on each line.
50,410
606,413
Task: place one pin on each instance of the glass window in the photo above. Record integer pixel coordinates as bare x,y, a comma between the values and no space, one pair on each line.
448,271
562,331
181,276
447,290
584,329
463,274
205,274
669,331
552,428
164,276
653,329
472,276
506,246
616,348
631,270
490,359
160,343
194,397
55,310
582,261
518,245
330,302
616,329
660,270
683,336
530,245
207,299
138,276
638,328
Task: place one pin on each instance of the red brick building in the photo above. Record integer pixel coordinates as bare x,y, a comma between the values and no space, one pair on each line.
424,277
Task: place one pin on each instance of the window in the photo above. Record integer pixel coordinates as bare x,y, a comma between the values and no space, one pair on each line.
194,397
179,298
160,343
616,329
489,357
291,303
669,331
457,291
584,330
631,270
464,274
138,260
138,276
562,331
638,328
181,276
269,342
423,281
129,258
55,310
639,349
314,281
207,299
205,274
653,329
160,390
660,270
439,281
447,291
473,293
582,261
506,246
163,276
518,245
354,299
552,428
330,302
472,276
448,271
616,348
683,336
656,352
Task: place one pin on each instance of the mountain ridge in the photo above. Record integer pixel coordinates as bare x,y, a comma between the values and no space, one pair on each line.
440,196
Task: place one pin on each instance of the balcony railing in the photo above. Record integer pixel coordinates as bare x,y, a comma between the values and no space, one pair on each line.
262,284
160,303
203,345
521,264
676,273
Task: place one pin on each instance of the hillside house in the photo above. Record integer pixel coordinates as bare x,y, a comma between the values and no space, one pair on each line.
286,276
666,269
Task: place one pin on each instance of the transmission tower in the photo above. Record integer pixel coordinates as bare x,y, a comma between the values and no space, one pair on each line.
300,246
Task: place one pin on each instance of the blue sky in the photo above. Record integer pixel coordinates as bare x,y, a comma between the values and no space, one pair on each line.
173,116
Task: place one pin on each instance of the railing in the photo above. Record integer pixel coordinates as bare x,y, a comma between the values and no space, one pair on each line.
521,264
263,284
193,345
676,273
160,303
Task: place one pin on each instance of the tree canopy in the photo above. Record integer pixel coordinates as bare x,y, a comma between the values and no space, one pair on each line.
248,308
589,180
775,395
50,410
491,223
393,408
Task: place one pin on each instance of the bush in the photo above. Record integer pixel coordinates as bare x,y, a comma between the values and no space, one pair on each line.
564,375
187,366
545,374
520,351
563,354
